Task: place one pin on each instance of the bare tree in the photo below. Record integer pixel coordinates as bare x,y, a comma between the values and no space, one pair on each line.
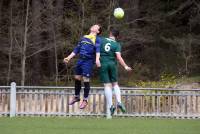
11,42
111,8
185,46
1,5
35,37
31,44
59,11
23,54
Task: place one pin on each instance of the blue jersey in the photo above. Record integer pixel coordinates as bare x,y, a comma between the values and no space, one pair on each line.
87,47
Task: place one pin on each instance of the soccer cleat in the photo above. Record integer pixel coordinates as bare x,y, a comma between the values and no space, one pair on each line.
83,104
121,107
74,100
108,117
112,110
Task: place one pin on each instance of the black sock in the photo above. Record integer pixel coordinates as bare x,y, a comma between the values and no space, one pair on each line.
86,89
77,88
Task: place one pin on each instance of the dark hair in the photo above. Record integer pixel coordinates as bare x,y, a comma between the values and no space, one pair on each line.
114,32
100,29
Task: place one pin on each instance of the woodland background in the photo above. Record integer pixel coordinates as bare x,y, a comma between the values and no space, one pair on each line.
159,38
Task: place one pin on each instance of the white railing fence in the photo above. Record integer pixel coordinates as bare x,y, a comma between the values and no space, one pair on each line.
140,102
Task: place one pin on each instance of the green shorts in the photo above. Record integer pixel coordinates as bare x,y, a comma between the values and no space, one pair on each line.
108,72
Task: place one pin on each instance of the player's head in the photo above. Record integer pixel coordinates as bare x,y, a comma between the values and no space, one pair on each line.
96,29
114,32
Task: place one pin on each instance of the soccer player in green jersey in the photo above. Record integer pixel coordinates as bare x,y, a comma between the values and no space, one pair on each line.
110,53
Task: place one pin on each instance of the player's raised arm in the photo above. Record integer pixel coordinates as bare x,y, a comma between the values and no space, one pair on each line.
122,62
68,58
75,52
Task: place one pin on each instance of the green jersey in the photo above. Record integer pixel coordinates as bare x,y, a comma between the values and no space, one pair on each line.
108,48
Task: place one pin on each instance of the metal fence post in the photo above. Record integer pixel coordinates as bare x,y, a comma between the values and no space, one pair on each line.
13,99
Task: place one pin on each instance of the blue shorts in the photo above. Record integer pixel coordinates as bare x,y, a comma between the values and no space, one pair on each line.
84,68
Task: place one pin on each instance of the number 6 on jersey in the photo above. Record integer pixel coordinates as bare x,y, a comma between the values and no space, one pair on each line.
107,47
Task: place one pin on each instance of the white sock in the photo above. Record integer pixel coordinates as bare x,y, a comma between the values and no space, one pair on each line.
117,93
108,94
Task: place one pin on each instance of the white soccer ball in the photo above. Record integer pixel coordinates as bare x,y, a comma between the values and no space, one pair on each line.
119,13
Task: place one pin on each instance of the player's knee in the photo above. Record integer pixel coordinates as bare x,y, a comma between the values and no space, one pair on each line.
108,85
86,79
115,84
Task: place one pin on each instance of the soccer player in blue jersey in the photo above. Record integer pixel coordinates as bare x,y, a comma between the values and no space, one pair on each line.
86,48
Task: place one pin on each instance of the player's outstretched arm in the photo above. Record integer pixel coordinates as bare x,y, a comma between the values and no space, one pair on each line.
68,58
73,53
121,61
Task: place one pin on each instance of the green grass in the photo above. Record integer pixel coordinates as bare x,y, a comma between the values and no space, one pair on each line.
62,125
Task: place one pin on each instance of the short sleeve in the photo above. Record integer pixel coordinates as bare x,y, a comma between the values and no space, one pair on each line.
97,44
118,48
77,48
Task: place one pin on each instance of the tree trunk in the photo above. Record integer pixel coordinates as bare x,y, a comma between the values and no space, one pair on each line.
83,16
48,35
111,7
23,58
186,65
36,62
1,5
11,44
56,57
59,7
135,13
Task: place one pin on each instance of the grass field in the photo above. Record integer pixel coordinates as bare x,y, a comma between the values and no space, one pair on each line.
63,125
